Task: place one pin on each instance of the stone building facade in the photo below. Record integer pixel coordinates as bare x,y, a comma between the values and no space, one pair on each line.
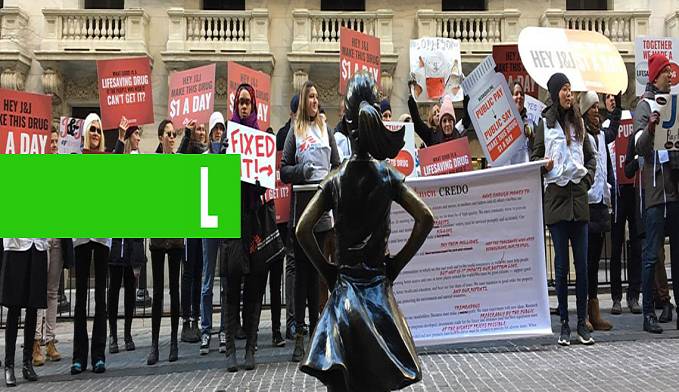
51,46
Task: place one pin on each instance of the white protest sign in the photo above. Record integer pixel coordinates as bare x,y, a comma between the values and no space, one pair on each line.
481,273
644,48
70,135
257,151
436,67
587,58
493,113
667,131
406,161
534,109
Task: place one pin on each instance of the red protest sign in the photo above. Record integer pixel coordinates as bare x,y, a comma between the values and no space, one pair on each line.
260,82
25,122
192,95
358,51
508,62
125,90
446,158
257,151
280,195
621,143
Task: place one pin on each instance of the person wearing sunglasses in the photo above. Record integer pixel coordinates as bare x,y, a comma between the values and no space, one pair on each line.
173,248
94,136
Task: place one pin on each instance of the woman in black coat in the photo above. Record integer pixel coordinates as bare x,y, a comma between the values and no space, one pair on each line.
125,262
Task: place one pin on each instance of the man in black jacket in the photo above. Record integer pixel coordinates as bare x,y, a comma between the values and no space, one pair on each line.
624,208
286,233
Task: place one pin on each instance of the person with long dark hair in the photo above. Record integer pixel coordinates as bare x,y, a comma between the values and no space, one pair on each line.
309,154
127,256
173,248
569,173
23,285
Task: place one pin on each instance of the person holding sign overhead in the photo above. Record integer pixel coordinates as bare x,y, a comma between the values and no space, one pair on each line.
127,256
560,138
236,260
660,179
309,154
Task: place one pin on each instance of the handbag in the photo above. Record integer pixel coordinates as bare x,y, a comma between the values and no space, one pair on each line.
266,243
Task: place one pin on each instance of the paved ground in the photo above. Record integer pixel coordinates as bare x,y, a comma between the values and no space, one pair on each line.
624,359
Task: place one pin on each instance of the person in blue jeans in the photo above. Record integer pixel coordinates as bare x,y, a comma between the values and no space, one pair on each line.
660,180
210,247
568,174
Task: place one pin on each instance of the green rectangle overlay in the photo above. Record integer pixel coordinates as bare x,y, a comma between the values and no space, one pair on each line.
120,196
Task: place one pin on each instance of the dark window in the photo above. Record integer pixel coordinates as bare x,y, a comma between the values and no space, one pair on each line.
105,4
224,5
586,5
342,5
463,5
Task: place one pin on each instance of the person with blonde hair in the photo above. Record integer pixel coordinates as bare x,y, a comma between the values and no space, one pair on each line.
94,136
310,152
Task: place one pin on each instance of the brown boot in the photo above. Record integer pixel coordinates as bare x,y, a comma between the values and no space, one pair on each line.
598,323
52,353
38,358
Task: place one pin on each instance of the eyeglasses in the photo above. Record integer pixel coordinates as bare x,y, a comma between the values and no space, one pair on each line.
171,134
95,129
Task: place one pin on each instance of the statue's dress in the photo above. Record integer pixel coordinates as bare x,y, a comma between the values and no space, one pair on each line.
362,338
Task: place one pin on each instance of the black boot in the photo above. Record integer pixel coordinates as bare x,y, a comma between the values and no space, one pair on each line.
10,379
174,350
651,324
187,333
152,359
249,357
298,352
129,343
666,315
28,372
231,327
113,345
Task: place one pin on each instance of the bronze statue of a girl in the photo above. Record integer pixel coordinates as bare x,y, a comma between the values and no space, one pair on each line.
362,341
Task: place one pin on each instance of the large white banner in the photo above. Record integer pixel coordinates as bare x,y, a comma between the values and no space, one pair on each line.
494,114
481,273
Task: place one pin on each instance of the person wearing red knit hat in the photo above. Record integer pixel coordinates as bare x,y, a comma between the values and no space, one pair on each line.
660,180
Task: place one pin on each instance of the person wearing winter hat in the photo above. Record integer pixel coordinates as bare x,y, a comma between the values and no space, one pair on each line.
210,247
660,181
217,133
129,137
385,109
599,203
94,136
568,174
447,121
127,256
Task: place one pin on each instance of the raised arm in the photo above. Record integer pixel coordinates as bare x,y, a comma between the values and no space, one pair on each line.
424,222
